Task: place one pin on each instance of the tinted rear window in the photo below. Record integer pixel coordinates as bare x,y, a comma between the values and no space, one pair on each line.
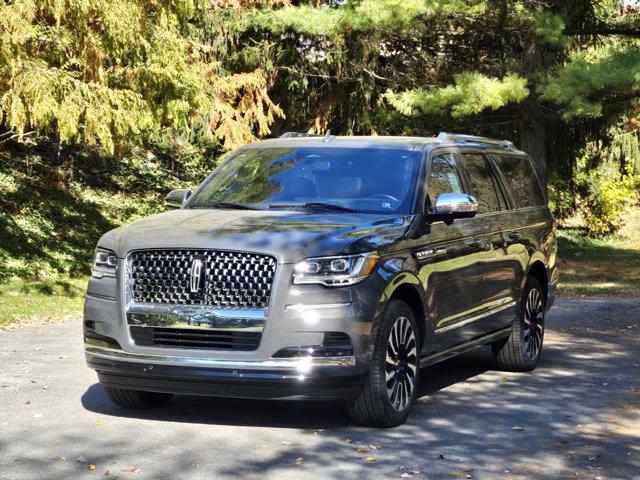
482,183
522,179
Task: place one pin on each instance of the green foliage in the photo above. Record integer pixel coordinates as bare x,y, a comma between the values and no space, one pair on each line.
114,72
471,94
610,197
547,25
54,208
333,22
604,183
593,76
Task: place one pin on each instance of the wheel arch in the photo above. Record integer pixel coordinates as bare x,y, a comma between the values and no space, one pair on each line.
407,288
538,269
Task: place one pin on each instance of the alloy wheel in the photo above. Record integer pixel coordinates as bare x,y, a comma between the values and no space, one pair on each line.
401,363
533,324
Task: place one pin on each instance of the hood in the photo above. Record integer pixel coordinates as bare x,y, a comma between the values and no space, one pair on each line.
289,236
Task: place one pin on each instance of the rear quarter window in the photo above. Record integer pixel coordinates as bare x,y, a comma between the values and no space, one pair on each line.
522,180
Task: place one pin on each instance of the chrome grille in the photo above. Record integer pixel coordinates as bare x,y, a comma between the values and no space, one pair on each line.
231,279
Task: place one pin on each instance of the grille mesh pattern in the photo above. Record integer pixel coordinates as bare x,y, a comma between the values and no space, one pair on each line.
231,279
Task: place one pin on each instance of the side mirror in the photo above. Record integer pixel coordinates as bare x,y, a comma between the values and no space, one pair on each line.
176,198
450,206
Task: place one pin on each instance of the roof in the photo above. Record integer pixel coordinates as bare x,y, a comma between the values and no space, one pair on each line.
390,142
410,143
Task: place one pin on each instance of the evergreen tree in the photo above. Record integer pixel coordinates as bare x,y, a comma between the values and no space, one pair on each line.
111,72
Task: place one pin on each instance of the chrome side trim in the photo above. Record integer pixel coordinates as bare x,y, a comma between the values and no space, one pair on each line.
303,307
299,364
464,347
466,321
184,316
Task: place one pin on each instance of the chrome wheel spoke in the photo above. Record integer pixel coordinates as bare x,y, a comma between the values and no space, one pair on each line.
390,375
533,320
401,363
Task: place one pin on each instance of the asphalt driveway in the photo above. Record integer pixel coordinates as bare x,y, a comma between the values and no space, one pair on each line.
576,417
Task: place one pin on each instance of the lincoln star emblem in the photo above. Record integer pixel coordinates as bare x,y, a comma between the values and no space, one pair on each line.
196,276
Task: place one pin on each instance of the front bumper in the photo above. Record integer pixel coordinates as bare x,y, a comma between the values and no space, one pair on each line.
328,378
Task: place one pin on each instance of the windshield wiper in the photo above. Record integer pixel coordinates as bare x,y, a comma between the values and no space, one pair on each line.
236,206
314,206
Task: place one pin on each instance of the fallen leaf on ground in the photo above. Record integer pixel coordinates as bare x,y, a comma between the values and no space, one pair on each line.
299,461
105,473
131,470
37,415
362,449
374,447
99,423
92,467
286,444
370,459
26,402
348,440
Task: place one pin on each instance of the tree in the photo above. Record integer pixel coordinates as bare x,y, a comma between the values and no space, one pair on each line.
496,67
112,72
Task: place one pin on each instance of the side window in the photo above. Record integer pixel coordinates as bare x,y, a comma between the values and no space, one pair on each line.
482,183
443,178
522,179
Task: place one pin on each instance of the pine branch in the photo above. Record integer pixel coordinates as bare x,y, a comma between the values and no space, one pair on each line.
603,30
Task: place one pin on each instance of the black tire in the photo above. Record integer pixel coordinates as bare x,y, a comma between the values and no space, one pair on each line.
373,407
136,399
522,350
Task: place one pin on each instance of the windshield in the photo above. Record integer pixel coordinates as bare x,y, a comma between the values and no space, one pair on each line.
365,180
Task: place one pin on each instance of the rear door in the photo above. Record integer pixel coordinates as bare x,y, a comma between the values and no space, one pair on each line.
492,301
483,182
526,224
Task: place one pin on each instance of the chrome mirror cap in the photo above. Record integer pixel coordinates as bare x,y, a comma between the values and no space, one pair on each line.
176,198
456,204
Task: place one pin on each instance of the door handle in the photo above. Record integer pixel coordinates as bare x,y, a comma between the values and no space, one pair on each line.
515,235
477,243
439,250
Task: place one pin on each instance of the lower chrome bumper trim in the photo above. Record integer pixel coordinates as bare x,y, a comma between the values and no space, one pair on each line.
298,364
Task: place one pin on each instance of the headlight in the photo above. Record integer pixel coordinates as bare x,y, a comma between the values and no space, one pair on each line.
104,263
335,271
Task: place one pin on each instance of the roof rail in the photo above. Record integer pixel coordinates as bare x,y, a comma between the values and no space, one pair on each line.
297,135
455,137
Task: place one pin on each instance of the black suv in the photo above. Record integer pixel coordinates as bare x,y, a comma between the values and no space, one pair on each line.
326,267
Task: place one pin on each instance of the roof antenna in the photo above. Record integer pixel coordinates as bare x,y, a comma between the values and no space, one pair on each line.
327,136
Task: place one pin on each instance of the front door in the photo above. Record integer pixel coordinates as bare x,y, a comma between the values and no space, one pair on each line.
454,259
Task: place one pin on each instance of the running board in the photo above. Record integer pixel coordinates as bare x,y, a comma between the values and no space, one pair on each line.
464,347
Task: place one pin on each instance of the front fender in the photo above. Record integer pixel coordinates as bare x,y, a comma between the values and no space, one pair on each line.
401,274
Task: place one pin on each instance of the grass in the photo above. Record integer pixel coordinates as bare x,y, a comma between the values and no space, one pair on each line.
23,302
601,267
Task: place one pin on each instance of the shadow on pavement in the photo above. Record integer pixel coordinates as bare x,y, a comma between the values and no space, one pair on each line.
281,413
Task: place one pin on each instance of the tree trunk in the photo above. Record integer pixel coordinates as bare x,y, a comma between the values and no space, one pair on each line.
532,127
534,141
